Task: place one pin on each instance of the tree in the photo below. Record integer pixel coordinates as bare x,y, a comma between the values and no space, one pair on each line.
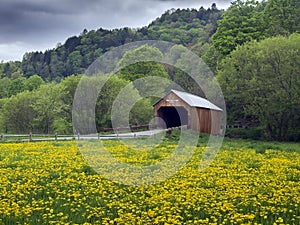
74,63
241,23
187,71
106,97
262,79
93,102
68,87
140,54
282,17
141,113
10,70
17,113
134,69
47,107
33,82
57,69
17,86
4,87
212,58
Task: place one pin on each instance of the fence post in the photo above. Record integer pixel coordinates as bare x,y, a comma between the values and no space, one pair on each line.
78,136
30,136
98,136
2,137
55,136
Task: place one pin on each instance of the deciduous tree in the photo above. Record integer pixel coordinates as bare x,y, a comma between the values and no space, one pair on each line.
262,79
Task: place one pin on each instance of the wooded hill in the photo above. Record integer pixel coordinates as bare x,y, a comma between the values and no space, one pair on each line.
253,48
187,26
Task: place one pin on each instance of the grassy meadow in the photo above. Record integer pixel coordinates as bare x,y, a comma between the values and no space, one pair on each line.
249,182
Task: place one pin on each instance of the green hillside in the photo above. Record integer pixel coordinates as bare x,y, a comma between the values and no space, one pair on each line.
182,26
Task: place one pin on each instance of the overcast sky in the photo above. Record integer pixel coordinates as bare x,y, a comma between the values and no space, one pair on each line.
37,25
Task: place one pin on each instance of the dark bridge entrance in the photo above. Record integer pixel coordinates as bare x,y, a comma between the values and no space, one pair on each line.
173,116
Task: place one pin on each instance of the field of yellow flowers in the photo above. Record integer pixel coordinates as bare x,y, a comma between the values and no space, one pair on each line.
50,183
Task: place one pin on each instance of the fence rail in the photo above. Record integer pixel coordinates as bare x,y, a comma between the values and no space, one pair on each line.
33,137
131,128
236,126
56,137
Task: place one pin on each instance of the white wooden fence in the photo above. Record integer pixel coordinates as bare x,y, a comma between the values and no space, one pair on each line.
56,137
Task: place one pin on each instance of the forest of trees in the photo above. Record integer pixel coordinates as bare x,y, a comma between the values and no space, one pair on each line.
253,48
187,27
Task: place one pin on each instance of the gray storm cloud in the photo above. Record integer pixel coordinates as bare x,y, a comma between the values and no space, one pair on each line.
32,25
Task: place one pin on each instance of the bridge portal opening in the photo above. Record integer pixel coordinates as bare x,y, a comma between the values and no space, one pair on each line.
173,116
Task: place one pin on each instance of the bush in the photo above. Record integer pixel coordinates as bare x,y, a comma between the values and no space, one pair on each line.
255,133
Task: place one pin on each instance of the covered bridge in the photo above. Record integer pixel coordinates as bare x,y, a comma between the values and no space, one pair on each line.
179,108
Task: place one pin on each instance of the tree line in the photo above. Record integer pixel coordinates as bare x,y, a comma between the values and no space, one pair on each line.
181,26
252,47
46,107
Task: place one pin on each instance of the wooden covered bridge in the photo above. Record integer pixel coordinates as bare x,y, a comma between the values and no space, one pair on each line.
179,108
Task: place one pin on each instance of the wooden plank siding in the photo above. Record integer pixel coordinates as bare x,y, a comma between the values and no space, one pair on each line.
215,122
167,101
